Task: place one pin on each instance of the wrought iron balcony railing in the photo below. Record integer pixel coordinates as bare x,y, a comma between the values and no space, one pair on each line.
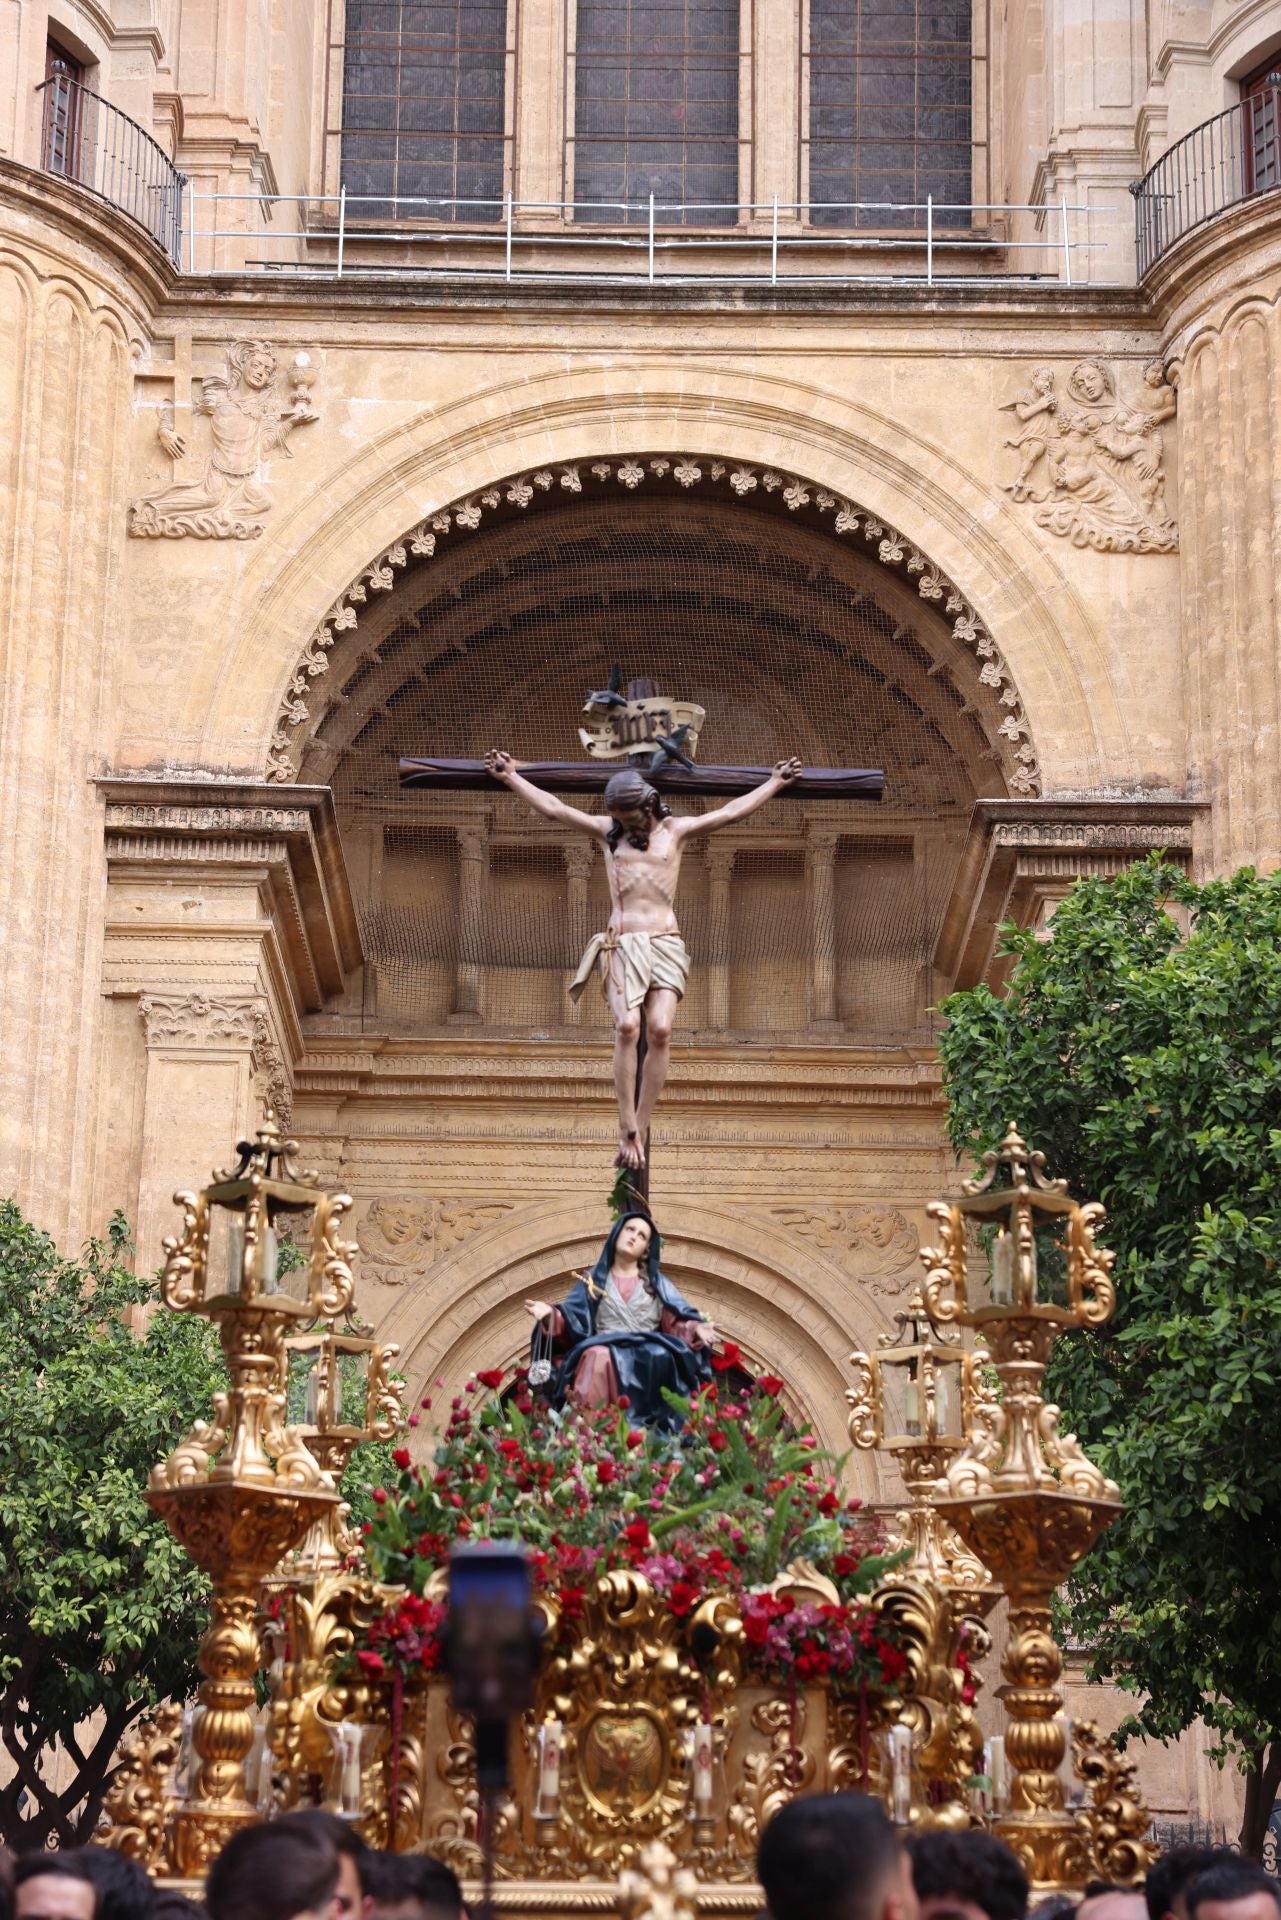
1216,166
88,140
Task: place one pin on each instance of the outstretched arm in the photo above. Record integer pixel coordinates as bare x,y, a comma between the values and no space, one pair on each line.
783,775
503,768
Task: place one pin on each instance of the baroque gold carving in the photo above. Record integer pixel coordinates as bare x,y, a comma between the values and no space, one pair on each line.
660,1890
139,1801
401,1233
878,1244
251,415
1013,741
1117,1821
1093,464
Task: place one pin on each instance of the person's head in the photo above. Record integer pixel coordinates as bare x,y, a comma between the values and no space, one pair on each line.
284,1871
1166,1886
412,1886
834,1856
1104,1900
6,1884
634,806
1234,1890
966,1876
124,1888
54,1886
349,1901
634,1236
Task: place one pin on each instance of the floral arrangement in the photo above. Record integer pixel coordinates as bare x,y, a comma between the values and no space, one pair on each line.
722,1508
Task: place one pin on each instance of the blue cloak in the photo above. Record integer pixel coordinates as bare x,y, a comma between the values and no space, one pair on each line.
644,1362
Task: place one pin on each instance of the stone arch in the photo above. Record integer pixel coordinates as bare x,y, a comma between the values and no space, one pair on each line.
792,1311
1012,586
735,490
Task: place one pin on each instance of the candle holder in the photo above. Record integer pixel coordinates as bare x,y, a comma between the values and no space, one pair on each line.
1022,1494
240,1493
915,1398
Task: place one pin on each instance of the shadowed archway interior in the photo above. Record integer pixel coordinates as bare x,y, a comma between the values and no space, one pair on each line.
811,917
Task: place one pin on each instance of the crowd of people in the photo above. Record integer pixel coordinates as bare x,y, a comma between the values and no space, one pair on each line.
829,1857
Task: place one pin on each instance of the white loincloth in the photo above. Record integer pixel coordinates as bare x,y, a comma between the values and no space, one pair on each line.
645,960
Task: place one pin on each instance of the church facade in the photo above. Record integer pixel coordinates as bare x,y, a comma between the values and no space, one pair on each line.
381,375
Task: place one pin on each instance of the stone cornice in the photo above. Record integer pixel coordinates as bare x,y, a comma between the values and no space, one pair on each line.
67,221
1228,255
292,835
1051,842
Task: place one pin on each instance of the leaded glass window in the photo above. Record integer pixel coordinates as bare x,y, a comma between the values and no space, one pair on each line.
423,107
890,111
656,110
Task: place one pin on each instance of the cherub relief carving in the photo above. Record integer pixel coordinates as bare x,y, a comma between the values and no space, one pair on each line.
249,417
1092,463
402,1233
877,1244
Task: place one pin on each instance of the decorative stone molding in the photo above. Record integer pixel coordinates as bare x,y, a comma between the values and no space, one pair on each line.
892,549
1021,857
402,1233
250,416
877,1244
1093,464
212,1020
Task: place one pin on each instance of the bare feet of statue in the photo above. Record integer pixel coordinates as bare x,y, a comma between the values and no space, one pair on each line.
631,1149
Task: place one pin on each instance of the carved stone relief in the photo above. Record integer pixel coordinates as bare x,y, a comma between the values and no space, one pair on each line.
206,1020
1013,743
251,412
1092,463
877,1244
402,1233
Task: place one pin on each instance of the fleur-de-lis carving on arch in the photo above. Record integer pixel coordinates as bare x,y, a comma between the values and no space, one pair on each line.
891,549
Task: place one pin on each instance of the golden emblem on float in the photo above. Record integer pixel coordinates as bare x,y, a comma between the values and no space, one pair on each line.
623,1760
640,722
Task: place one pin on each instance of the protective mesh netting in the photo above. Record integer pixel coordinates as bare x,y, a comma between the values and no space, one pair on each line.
471,907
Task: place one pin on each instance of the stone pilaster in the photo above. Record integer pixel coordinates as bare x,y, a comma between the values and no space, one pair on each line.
719,860
820,878
580,856
473,886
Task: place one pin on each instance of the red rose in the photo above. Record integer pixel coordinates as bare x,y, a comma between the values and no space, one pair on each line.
372,1662
829,1503
510,1447
636,1534
606,1471
624,1401
380,1496
728,1358
771,1384
683,1598
492,1377
755,1629
400,1458
635,1437
843,1563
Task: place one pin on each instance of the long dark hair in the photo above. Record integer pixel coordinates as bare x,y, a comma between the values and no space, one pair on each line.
629,789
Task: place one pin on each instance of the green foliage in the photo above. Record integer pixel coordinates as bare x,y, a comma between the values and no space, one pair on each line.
1146,1065
100,1609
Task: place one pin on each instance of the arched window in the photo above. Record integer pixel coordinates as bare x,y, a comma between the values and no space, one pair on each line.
890,111
423,107
1261,92
656,110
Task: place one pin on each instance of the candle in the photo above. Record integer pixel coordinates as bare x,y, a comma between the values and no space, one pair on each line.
943,1414
268,1254
313,1393
998,1773
1003,1270
550,1738
912,1409
703,1783
349,1752
235,1253
900,1775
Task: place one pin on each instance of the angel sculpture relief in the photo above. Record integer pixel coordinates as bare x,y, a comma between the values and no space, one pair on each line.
249,418
1092,463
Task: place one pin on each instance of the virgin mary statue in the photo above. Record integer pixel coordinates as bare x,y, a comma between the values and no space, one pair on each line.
625,1330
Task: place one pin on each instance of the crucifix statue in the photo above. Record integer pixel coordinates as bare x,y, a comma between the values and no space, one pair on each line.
641,957
643,960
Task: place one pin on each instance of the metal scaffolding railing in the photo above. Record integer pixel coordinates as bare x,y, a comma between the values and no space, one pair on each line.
86,139
1216,166
591,242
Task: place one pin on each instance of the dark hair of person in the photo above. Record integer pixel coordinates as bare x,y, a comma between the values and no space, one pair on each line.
272,1872
1055,1906
398,1877
972,1866
124,1888
340,1834
1094,1887
168,1904
1168,1877
71,1865
1233,1879
625,791
6,1884
827,1858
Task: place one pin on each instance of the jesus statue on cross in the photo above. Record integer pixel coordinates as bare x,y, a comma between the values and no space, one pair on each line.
643,961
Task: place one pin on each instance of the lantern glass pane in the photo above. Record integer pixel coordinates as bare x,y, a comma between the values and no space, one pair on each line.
353,1389
901,1392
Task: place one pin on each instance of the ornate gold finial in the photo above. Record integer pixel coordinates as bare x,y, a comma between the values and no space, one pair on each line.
660,1890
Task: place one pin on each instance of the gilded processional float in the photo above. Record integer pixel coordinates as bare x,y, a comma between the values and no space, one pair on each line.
719,1628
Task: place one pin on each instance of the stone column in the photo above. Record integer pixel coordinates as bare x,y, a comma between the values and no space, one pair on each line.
580,856
820,874
473,878
720,869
